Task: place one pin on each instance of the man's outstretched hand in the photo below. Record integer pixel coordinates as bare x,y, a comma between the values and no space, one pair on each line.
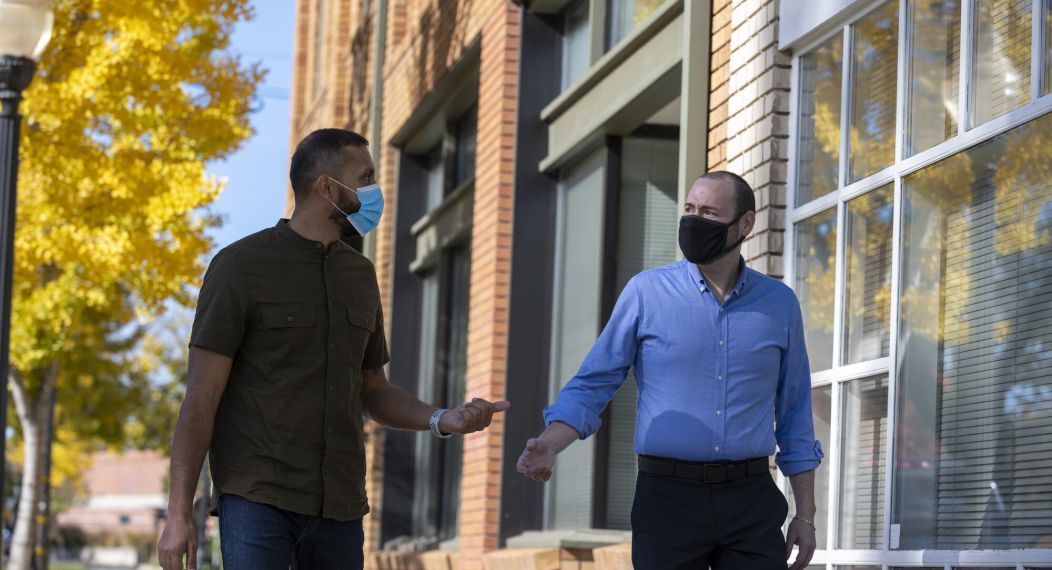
537,460
471,417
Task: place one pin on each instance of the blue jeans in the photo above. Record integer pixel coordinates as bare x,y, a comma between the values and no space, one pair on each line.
255,536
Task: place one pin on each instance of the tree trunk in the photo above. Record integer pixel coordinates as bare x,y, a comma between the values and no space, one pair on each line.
28,550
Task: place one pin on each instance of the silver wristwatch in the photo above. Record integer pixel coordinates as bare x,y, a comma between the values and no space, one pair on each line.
435,417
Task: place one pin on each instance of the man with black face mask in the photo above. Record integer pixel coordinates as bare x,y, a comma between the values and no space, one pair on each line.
719,359
287,354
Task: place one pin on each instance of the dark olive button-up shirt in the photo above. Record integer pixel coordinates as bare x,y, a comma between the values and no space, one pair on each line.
301,322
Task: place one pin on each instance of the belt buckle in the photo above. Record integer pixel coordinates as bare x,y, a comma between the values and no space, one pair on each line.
715,473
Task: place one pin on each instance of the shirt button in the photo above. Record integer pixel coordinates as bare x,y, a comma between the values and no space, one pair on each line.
718,412
330,387
290,319
721,343
332,345
330,303
717,449
720,377
317,246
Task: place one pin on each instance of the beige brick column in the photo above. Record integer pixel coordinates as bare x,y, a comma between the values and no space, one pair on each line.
749,118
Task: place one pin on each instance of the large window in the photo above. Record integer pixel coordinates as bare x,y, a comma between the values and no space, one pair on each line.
922,255
594,481
576,47
442,270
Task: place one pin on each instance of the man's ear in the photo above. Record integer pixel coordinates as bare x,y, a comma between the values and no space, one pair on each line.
748,222
321,187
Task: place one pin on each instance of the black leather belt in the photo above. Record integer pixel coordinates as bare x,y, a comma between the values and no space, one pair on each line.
720,472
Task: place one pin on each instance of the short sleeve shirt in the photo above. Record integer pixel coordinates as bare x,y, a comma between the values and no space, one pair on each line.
300,321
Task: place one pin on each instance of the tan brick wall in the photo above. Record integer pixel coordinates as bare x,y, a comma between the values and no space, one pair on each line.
749,117
490,277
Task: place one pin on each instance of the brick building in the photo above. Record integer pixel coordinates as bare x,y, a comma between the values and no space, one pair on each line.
534,156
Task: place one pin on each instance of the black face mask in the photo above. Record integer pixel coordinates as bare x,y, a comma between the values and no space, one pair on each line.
703,241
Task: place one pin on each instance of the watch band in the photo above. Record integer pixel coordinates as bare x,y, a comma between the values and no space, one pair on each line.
435,417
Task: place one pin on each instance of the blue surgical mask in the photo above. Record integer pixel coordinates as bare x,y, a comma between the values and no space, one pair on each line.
368,215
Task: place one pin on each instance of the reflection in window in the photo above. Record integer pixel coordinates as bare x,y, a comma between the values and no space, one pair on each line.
867,297
626,16
934,72
864,422
815,282
465,131
974,446
819,148
576,43
874,68
1001,76
821,402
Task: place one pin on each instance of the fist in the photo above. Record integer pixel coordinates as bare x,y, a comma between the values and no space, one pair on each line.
537,460
471,417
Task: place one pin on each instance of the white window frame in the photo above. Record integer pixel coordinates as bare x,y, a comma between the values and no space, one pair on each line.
967,137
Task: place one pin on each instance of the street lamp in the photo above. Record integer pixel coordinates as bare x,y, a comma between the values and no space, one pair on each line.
25,28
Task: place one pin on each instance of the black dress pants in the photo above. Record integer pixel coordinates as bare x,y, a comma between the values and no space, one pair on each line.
681,524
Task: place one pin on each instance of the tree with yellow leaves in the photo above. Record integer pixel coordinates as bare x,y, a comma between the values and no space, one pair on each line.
130,101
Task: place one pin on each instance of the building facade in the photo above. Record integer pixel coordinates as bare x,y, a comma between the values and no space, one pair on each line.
534,156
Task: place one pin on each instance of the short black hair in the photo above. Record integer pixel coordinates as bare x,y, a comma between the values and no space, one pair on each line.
317,154
744,199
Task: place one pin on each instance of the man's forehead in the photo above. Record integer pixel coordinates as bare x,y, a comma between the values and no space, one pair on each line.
359,158
709,192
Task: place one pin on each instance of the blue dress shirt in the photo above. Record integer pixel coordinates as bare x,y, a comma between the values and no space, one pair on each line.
716,382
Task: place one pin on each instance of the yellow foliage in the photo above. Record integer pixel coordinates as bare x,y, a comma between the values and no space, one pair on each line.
129,103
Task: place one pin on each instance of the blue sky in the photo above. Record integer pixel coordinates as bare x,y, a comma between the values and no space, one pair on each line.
254,197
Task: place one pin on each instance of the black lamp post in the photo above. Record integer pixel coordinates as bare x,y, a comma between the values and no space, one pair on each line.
25,28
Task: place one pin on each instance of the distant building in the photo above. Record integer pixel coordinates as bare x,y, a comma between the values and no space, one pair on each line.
125,494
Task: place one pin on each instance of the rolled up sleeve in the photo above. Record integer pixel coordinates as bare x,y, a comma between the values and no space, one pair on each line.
798,450
603,371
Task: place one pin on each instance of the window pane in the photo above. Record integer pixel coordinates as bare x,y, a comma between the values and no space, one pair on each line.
1001,75
974,445
818,172
575,43
436,177
647,209
934,72
874,66
629,15
576,326
815,282
466,133
821,403
864,419
867,295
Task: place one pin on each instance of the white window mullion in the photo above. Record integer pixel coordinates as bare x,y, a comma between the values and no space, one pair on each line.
964,105
789,239
901,83
839,284
896,271
846,55
833,457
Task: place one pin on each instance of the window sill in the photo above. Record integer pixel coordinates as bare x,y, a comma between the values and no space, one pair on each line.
583,538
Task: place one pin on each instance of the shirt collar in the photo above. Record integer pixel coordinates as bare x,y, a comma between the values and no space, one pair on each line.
289,235
739,288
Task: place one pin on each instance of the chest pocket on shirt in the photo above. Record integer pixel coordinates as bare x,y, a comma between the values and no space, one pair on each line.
362,325
287,316
285,335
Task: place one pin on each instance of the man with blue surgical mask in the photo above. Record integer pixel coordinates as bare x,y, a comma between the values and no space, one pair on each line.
286,357
718,356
